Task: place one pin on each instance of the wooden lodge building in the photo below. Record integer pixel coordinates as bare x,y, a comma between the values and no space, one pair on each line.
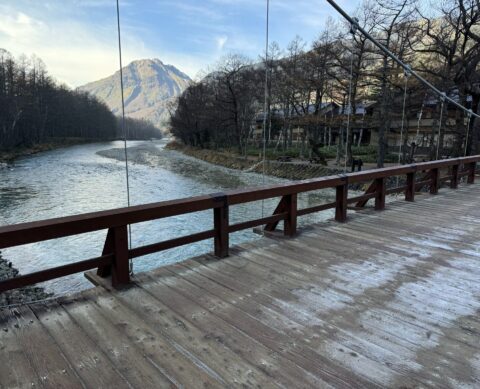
420,126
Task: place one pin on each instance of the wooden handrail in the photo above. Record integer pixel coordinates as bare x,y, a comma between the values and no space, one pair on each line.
32,232
115,256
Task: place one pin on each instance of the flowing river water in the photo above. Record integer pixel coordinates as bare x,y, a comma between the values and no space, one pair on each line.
91,177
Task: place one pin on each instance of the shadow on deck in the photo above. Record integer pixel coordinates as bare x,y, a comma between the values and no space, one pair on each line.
390,299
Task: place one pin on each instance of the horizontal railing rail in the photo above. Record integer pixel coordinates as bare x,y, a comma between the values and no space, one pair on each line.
116,253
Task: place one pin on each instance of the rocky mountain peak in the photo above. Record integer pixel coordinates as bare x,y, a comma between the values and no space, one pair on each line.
149,85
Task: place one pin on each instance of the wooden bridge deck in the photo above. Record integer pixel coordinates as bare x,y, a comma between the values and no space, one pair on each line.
389,299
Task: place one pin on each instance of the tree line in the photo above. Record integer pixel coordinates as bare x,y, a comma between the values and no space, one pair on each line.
35,108
441,42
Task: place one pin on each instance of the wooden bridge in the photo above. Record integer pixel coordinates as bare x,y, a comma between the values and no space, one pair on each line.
389,299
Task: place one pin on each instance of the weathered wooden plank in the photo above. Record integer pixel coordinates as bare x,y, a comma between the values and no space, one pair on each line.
298,326
283,371
358,282
437,300
292,364
136,367
16,371
299,277
90,363
300,352
378,334
267,298
202,348
409,271
50,364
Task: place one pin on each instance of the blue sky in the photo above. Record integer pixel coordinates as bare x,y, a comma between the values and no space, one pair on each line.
77,38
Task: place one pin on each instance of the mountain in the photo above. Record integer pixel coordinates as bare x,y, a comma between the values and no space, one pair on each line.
148,86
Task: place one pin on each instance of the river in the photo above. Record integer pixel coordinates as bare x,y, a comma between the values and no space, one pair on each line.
77,180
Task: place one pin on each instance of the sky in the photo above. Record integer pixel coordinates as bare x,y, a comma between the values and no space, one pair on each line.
77,39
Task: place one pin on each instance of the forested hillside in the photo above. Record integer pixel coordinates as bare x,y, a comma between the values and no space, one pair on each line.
35,108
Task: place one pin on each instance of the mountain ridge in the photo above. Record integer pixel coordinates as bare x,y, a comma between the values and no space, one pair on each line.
149,85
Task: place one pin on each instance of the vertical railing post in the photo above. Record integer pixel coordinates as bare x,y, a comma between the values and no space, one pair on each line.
411,187
471,172
380,186
454,179
341,202
116,244
220,224
290,223
434,181
120,268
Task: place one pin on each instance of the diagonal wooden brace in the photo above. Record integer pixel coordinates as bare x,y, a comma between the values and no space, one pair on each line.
116,244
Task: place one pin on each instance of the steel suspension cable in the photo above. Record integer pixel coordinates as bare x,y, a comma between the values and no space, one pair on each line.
405,87
396,59
124,128
420,115
442,98
353,29
469,117
266,97
400,151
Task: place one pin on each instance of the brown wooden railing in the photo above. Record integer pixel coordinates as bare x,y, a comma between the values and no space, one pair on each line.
116,252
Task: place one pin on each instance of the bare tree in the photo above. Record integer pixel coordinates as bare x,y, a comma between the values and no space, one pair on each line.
353,67
390,14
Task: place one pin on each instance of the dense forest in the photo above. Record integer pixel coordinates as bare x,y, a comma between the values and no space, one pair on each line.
341,66
35,108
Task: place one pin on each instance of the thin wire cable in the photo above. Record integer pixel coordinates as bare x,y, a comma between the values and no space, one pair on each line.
440,127
353,30
469,115
403,116
349,110
124,128
420,118
265,105
405,87
395,58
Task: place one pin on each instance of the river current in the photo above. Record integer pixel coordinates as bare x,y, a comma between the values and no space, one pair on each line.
77,180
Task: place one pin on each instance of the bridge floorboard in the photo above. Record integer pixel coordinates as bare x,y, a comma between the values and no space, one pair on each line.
389,299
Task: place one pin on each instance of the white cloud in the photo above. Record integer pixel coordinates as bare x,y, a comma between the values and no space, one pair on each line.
77,38
220,41
76,52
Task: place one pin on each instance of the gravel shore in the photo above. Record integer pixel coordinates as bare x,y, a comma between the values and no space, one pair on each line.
18,296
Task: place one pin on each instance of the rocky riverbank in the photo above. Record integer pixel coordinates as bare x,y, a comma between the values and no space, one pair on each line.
216,157
7,156
287,170
18,296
